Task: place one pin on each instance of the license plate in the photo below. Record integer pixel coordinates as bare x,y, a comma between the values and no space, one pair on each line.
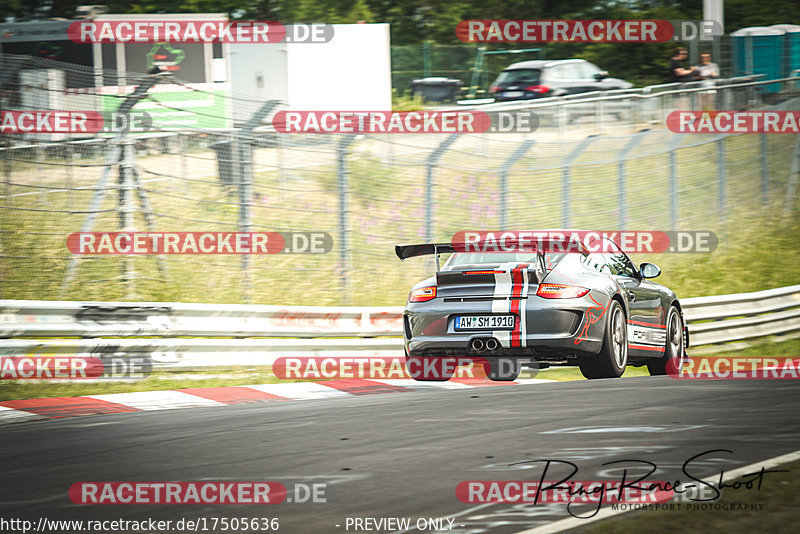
484,322
511,94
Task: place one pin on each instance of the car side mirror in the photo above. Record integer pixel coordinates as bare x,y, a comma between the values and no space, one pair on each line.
649,270
601,76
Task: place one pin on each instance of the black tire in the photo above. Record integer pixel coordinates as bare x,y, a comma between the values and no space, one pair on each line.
434,371
502,369
674,347
610,362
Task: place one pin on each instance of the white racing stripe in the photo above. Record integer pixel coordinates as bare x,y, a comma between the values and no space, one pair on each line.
523,306
413,384
301,390
10,415
501,302
156,400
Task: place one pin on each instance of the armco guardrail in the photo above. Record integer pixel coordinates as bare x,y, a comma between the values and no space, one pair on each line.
30,318
725,318
231,334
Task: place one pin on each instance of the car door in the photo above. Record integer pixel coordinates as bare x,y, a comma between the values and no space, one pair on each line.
646,314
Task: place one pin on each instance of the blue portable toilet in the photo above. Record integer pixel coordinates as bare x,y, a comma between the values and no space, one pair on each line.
791,47
759,50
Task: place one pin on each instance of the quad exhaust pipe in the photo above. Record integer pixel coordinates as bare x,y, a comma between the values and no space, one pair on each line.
479,345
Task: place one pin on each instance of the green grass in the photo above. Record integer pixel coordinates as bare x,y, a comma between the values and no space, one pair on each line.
779,495
388,205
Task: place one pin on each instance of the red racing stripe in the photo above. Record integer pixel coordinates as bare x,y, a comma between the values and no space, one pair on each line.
645,347
516,292
652,325
232,394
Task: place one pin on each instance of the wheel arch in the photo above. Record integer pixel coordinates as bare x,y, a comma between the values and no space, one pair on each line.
618,298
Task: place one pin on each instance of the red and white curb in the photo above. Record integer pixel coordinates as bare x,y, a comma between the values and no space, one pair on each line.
17,411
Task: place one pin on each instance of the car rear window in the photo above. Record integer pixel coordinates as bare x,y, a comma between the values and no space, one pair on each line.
519,76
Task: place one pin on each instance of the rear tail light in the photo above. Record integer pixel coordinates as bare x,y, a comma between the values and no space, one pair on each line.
560,291
423,294
538,88
484,272
493,88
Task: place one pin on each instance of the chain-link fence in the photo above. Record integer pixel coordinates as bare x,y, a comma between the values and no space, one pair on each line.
369,192
478,65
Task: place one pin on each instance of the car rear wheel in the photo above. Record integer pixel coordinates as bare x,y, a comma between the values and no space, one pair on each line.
430,368
502,369
673,360
613,357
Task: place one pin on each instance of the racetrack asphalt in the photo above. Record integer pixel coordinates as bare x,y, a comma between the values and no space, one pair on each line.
401,455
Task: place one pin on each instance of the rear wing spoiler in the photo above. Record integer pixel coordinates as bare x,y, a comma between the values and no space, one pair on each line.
411,251
425,249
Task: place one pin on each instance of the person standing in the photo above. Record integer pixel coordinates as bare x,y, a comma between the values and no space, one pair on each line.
677,66
706,72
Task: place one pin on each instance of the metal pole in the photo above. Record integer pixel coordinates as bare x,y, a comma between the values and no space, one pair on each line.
343,187
69,156
721,177
126,211
242,150
791,186
149,216
764,170
623,212
477,67
245,187
566,179
429,183
674,200
426,59
7,166
673,189
504,168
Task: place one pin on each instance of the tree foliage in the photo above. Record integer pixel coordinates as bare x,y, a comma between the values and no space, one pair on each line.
414,22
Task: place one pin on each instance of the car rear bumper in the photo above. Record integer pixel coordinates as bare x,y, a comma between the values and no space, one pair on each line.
565,326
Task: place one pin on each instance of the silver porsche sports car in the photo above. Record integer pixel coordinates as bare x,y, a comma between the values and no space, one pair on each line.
593,309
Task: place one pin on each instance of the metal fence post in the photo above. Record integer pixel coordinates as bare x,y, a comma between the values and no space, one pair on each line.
674,200
343,190
791,186
429,184
721,177
623,212
184,172
242,150
566,179
126,210
504,168
764,170
69,156
7,165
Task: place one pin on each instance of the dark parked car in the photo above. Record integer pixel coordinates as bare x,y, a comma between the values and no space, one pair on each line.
542,78
597,310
